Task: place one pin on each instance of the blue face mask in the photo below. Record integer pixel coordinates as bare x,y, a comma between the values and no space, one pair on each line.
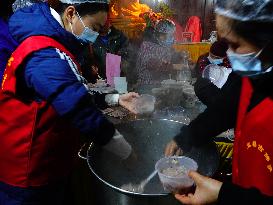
215,61
170,41
245,63
88,35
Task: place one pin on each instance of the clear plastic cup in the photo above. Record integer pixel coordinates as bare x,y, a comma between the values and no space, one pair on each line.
183,75
158,91
121,88
168,83
120,84
145,104
173,173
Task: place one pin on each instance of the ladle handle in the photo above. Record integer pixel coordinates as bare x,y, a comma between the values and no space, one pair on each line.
151,175
149,178
82,150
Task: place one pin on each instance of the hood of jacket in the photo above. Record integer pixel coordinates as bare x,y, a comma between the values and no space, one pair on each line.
37,20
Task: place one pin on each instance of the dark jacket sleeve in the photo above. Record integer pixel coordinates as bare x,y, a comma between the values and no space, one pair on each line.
233,194
217,118
7,46
206,91
52,77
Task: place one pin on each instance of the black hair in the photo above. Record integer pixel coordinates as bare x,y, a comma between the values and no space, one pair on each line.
84,8
6,9
258,33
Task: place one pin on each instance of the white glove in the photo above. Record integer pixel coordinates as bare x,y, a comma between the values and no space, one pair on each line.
218,75
112,99
119,146
221,82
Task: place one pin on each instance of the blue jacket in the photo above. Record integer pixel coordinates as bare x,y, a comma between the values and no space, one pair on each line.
51,75
7,46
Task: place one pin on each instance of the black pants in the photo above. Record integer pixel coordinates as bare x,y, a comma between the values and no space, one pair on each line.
45,195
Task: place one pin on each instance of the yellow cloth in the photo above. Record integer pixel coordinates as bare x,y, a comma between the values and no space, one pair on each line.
225,149
128,8
124,15
195,49
134,9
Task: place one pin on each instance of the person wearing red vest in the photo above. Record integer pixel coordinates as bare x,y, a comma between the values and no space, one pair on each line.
246,106
45,102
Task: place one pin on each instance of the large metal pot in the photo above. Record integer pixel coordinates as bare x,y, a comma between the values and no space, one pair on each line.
148,139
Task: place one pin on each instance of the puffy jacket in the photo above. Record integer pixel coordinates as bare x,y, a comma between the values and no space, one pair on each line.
50,75
7,46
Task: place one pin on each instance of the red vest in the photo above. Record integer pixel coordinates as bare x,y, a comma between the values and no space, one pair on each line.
37,146
253,146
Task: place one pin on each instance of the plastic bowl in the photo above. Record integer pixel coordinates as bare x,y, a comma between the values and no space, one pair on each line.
145,104
168,83
173,173
186,86
158,91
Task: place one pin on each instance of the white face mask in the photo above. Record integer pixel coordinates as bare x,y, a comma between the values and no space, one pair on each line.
215,61
249,63
88,35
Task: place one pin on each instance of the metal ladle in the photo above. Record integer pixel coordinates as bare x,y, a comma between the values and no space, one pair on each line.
139,188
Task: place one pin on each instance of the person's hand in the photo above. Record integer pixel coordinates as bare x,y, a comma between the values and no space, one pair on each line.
207,190
95,70
127,101
173,149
